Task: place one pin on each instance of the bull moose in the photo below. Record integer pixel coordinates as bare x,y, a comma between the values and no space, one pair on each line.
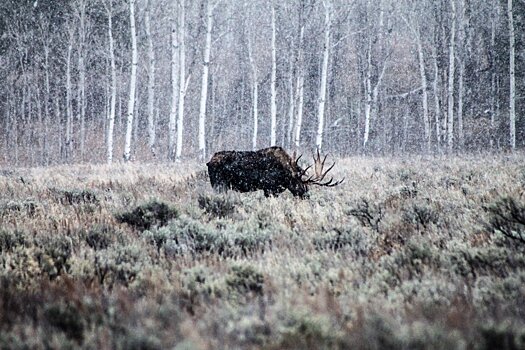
269,169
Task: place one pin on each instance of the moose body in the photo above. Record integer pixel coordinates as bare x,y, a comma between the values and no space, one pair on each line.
270,169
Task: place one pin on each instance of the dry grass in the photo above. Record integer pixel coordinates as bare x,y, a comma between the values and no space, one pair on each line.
402,255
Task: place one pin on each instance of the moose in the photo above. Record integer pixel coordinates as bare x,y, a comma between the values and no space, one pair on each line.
269,169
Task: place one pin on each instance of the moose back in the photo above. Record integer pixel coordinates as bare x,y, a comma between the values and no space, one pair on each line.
269,169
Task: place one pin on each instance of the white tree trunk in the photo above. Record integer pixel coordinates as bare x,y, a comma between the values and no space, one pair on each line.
493,76
151,81
424,86
255,94
182,79
299,89
133,82
273,82
58,121
451,72
461,93
82,76
324,76
368,90
46,104
113,99
291,107
437,107
69,108
174,91
463,51
512,73
204,86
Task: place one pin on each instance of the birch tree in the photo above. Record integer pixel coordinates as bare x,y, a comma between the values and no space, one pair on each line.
512,74
255,92
372,90
291,103
151,79
46,38
415,27
324,73
182,78
463,39
493,97
68,149
210,5
451,72
113,99
300,77
174,89
81,14
133,81
273,83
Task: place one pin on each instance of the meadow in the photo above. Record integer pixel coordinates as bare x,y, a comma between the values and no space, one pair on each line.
407,253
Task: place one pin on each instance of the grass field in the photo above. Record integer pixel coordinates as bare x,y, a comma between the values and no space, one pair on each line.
405,254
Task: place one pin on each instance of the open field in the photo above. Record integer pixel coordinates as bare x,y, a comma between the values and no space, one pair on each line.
405,254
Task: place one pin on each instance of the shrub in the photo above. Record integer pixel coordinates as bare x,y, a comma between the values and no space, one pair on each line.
148,215
120,265
75,196
305,331
100,237
368,214
27,207
217,206
245,278
11,239
501,336
340,238
508,217
141,341
54,254
67,319
421,215
227,239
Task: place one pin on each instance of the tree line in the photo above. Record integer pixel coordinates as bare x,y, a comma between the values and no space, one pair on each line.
99,80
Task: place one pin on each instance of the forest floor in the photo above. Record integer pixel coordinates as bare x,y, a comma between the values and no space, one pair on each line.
405,254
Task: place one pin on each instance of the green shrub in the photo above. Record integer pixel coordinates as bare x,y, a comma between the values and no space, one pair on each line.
100,237
368,214
501,336
508,218
66,318
420,214
219,206
141,341
245,278
11,239
148,215
75,196
227,239
307,331
54,254
341,238
26,207
120,265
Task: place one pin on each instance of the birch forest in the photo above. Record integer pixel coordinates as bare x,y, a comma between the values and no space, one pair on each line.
109,80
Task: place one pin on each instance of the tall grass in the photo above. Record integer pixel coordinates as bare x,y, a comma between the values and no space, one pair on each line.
406,253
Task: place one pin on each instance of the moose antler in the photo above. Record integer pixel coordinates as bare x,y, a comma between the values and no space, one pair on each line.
319,174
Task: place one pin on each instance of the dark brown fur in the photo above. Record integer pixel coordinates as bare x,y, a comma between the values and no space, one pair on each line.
270,169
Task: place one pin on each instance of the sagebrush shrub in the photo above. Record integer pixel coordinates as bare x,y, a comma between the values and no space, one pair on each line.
146,216
508,217
217,206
